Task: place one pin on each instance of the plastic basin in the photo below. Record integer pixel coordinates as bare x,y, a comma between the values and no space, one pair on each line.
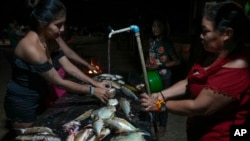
155,83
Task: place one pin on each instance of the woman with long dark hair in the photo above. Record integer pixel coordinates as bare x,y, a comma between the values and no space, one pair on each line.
36,57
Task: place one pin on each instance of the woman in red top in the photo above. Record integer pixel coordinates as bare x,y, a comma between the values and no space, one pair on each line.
218,86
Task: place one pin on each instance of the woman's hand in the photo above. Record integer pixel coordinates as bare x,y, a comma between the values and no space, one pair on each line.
101,90
156,96
101,94
149,101
104,84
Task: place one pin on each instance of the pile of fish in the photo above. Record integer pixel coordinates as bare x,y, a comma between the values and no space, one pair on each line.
118,83
36,134
106,123
115,121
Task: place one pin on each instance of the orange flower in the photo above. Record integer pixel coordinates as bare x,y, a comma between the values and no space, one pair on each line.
158,105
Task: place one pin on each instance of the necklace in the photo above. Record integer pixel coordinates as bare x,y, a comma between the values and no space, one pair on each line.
47,52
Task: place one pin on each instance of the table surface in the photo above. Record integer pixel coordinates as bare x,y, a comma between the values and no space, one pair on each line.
71,106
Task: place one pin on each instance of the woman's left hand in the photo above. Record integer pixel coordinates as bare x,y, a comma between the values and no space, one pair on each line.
148,102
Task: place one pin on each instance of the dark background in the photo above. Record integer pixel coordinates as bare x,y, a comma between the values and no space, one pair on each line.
182,15
114,13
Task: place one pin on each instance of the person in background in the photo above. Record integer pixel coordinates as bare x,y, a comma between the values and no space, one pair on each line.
218,85
162,54
36,56
162,57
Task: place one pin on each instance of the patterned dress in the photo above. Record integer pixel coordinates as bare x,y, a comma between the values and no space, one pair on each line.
160,52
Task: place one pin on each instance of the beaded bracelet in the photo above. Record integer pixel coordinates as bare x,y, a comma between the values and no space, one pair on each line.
163,96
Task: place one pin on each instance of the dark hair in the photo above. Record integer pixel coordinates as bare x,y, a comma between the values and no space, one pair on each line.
229,15
165,24
45,11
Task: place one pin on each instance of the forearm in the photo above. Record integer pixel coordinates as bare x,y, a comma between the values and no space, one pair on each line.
76,58
70,53
176,90
207,102
76,73
53,77
181,107
74,87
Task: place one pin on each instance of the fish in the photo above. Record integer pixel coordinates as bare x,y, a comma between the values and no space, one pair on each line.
93,138
108,76
73,126
105,132
103,112
121,82
129,93
140,87
120,125
112,102
37,137
136,136
111,92
132,88
97,126
71,137
84,116
116,85
35,130
84,134
125,106
118,76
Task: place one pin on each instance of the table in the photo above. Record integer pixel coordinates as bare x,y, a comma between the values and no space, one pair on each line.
71,106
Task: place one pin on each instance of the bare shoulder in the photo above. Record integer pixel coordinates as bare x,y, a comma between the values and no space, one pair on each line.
30,51
237,63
